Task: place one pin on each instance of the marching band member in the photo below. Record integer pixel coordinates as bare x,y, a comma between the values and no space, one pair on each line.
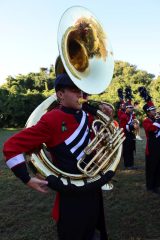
151,126
78,212
121,104
126,121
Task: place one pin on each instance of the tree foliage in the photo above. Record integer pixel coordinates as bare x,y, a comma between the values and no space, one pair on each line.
16,108
32,82
20,95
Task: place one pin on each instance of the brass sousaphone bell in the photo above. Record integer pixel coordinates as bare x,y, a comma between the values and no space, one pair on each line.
85,50
86,55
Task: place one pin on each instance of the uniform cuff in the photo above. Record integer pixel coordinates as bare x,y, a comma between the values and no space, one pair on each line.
16,160
21,172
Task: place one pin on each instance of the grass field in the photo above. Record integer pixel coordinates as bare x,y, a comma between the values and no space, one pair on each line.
131,212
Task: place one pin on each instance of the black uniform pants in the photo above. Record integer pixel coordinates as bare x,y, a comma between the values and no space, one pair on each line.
80,216
128,151
152,171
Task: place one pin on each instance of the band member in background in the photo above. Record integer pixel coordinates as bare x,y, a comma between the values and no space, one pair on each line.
126,121
78,212
121,103
151,126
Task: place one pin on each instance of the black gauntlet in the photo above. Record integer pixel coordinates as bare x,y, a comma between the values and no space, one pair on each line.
57,184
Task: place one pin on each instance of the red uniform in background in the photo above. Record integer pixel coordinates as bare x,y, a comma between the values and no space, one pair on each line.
126,122
152,130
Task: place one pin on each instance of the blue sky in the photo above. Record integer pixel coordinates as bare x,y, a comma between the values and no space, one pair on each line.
28,32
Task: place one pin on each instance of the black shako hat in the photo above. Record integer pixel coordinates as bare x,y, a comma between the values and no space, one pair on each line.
128,104
149,107
63,81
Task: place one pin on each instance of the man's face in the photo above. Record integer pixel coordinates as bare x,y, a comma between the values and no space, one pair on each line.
69,97
136,106
129,109
122,106
152,113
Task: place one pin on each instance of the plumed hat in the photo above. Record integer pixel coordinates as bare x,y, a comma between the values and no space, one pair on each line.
128,104
128,97
149,106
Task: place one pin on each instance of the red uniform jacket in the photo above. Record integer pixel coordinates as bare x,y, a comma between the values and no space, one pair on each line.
149,129
53,129
125,121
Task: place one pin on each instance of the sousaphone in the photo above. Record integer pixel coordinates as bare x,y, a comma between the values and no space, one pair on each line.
87,57
85,50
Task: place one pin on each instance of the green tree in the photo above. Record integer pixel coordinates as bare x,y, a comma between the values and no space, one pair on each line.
155,91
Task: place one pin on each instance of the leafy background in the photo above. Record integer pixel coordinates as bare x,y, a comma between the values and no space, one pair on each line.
21,94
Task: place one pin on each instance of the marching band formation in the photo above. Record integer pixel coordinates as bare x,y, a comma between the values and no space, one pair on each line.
151,125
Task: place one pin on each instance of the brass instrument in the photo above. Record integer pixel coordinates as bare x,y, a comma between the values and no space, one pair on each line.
96,103
107,141
85,50
137,130
87,57
157,114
